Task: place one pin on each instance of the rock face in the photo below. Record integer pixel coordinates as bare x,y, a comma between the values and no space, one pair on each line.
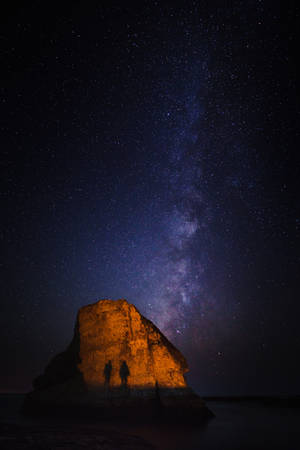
117,358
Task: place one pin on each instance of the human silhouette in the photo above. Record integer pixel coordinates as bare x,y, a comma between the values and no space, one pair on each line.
107,372
124,372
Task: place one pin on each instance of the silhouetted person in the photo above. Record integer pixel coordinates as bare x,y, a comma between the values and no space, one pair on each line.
107,372
124,372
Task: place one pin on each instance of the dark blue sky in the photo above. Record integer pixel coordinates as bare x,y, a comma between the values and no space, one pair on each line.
150,153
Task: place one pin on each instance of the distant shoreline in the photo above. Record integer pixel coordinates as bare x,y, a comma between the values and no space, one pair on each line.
291,401
223,398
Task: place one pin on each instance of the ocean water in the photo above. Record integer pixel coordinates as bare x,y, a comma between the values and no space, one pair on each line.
238,425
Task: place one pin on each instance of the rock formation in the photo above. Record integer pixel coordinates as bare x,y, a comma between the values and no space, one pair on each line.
118,360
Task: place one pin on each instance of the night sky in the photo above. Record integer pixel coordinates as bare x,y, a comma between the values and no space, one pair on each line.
150,153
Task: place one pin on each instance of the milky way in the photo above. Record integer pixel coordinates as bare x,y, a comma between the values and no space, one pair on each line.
176,273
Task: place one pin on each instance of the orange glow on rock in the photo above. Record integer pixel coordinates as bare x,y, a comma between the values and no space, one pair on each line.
117,363
113,334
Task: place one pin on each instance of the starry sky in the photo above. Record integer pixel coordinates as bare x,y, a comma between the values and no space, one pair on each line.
150,152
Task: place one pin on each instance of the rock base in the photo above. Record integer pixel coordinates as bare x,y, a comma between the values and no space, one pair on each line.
123,403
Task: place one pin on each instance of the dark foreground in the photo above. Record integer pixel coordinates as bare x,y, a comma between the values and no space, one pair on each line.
239,424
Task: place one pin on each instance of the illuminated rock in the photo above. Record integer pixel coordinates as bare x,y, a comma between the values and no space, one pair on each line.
117,358
115,331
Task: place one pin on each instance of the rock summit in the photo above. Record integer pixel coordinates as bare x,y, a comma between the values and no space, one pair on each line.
117,362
